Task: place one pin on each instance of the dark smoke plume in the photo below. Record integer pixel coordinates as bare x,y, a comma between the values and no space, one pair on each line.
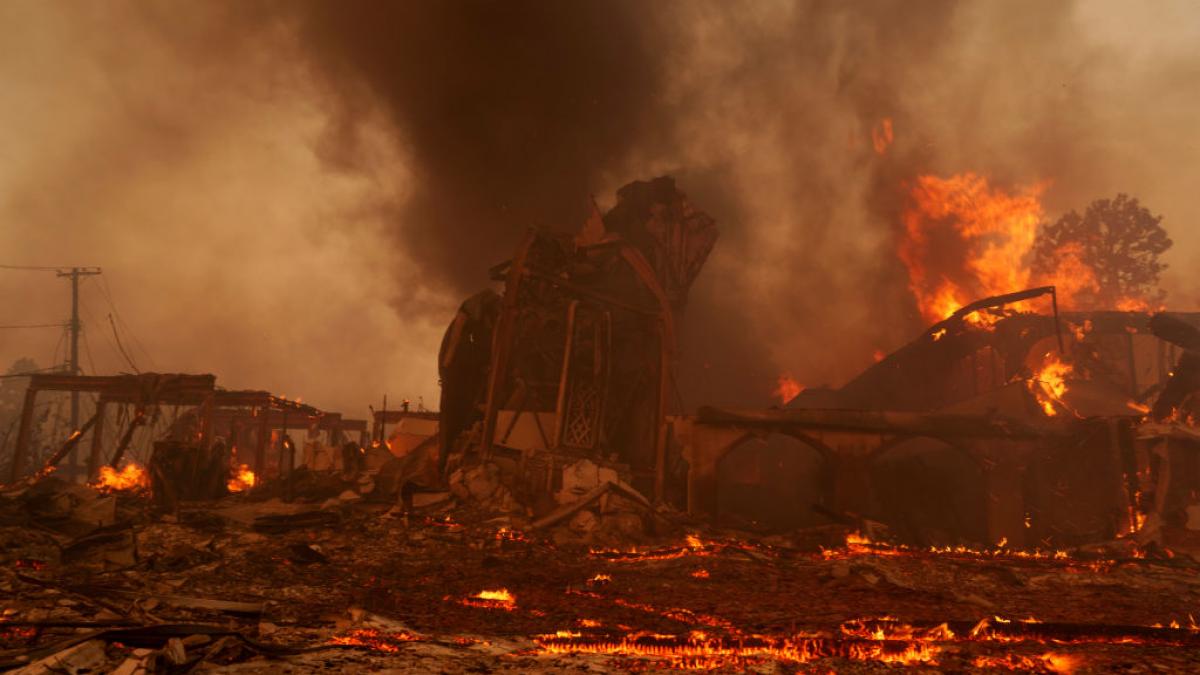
510,111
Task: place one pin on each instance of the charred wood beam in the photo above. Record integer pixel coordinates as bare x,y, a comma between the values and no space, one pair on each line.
999,300
168,386
502,341
1176,331
138,420
97,439
1185,378
589,293
71,442
23,434
396,416
262,399
1007,298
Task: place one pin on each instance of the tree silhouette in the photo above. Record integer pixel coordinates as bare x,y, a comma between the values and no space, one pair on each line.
1119,239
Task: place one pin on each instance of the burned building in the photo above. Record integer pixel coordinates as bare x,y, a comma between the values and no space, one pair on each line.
575,359
994,425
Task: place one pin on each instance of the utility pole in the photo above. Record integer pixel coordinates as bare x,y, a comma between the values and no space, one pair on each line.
75,327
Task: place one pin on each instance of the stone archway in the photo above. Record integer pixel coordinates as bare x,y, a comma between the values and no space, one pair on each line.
771,480
929,492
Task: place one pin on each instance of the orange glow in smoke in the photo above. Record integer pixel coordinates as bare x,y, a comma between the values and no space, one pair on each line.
243,479
882,135
132,476
787,388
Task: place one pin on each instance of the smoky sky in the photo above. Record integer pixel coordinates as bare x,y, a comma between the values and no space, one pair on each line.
296,195
509,110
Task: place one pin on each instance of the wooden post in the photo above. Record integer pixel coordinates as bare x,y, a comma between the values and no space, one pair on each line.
23,434
139,418
283,435
1004,494
206,422
660,407
1133,378
264,433
97,441
232,441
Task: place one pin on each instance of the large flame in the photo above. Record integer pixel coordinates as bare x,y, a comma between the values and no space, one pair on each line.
131,476
965,240
243,479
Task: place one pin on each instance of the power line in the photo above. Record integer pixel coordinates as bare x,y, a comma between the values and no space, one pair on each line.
108,339
30,372
107,292
87,351
37,325
61,337
120,346
30,268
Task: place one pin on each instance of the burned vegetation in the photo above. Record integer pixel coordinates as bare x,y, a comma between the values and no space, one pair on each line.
1013,490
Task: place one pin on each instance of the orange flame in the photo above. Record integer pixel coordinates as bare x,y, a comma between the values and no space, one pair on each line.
492,599
243,479
993,230
787,388
700,651
1050,661
1049,384
131,477
965,239
1071,275
857,544
375,639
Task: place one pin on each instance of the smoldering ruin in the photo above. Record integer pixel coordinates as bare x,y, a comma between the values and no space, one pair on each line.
619,282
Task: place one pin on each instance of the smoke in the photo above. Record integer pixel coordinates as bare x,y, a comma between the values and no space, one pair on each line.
177,147
296,195
509,110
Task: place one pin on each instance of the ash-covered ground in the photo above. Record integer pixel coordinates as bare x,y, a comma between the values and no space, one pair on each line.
248,584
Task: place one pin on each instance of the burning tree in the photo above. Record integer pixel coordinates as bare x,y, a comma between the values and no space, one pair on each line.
1119,241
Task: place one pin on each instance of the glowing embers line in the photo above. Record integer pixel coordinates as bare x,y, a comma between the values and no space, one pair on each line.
885,640
1052,662
492,599
680,614
856,544
692,546
509,534
380,641
698,650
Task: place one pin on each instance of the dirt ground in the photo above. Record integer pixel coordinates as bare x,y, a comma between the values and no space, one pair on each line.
360,588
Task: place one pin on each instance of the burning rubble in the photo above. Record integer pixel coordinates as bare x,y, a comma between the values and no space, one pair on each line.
1024,456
